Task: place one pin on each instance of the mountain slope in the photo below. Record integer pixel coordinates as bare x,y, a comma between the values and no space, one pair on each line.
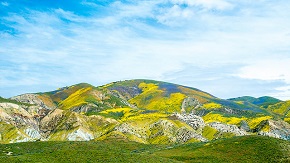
145,111
282,109
150,94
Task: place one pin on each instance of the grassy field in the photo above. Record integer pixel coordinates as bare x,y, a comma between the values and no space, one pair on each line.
237,149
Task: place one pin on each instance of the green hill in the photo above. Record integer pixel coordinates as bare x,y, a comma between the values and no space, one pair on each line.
237,149
263,102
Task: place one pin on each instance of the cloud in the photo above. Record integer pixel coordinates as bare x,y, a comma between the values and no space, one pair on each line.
275,69
5,4
206,4
197,43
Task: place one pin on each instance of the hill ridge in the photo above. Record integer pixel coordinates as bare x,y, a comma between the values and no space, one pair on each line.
147,111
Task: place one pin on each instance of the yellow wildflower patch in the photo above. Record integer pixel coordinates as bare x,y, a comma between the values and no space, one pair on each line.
75,99
287,120
168,104
147,116
219,118
255,121
212,105
153,98
146,87
126,111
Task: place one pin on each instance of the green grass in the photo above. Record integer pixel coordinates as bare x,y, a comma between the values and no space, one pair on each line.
114,115
237,149
104,151
209,132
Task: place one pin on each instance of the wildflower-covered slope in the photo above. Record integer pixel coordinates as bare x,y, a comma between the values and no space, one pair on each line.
144,111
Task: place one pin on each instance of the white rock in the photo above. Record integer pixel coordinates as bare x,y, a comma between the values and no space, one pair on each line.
80,135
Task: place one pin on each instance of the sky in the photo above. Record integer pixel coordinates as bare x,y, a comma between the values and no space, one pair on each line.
228,48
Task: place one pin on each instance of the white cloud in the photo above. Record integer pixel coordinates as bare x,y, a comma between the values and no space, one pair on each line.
150,39
275,69
5,4
282,93
170,16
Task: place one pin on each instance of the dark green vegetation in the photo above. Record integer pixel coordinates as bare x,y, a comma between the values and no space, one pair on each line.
263,102
236,149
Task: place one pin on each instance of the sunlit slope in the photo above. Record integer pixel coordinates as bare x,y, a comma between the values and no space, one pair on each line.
144,111
84,98
282,109
144,94
168,97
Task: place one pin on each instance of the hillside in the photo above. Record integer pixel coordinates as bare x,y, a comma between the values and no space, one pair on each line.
282,109
263,102
144,111
237,149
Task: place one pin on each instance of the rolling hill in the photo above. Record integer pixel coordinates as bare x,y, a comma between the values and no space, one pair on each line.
263,102
144,111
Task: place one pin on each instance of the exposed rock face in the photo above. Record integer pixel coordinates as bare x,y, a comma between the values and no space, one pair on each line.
18,120
189,102
39,108
30,99
80,135
163,128
162,131
277,129
244,126
31,132
183,135
85,108
192,120
227,128
129,129
50,122
16,115
174,133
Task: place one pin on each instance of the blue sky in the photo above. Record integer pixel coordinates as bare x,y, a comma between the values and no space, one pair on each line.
228,48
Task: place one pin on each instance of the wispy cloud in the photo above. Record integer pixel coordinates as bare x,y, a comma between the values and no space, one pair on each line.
5,3
171,40
274,69
208,4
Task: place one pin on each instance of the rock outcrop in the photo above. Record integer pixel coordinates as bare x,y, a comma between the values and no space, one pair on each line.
226,128
192,120
277,129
